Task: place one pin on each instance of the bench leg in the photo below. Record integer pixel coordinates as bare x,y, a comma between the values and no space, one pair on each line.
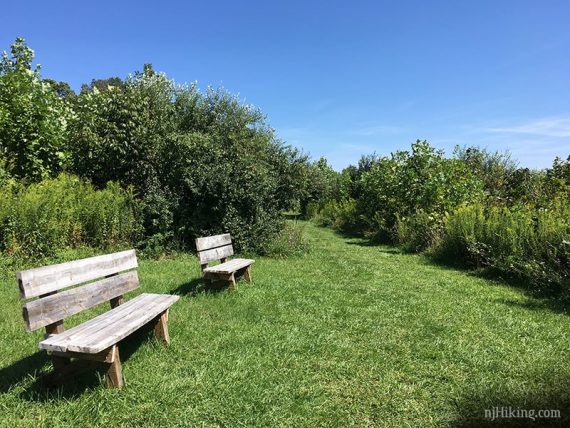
232,281
114,375
65,369
66,373
161,328
247,274
59,363
62,370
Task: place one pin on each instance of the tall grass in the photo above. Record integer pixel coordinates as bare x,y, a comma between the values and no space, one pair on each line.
340,215
290,241
417,232
531,243
38,219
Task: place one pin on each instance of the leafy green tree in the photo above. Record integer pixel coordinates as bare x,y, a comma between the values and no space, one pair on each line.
322,184
62,89
397,187
34,120
557,180
102,85
202,163
494,169
228,169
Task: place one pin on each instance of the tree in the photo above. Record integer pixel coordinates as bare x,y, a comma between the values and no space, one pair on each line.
103,85
202,163
33,118
62,89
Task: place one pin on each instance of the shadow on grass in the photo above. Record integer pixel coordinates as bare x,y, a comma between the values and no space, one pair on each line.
540,303
361,242
353,238
471,409
198,285
540,299
38,365
29,366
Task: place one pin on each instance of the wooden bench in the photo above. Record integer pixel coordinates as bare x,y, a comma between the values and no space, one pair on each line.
219,248
95,340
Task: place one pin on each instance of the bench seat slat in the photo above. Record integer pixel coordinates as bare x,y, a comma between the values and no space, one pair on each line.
230,266
101,332
102,322
58,342
153,305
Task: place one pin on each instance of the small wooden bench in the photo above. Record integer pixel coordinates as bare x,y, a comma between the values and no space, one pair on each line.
95,340
219,248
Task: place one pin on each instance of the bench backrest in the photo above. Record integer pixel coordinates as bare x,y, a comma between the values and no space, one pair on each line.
212,248
53,306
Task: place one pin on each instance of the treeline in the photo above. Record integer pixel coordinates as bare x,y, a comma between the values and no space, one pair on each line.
158,164
475,208
147,162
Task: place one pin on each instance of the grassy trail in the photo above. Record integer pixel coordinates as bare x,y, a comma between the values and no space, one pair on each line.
350,335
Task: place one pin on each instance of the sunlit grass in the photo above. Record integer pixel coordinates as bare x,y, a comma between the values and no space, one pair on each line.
350,334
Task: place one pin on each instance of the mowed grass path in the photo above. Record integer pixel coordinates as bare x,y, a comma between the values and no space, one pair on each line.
350,335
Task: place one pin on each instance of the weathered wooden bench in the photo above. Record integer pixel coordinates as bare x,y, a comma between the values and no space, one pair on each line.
219,248
95,340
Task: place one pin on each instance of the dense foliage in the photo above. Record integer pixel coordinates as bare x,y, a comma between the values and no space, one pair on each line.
34,120
156,164
475,208
198,163
40,218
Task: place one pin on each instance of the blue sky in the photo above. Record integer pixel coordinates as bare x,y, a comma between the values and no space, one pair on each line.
338,79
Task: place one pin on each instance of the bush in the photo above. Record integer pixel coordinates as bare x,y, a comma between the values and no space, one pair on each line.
340,215
417,232
33,119
406,182
201,163
524,242
385,194
39,219
290,241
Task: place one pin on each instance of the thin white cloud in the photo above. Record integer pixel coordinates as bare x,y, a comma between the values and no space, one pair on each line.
548,127
534,142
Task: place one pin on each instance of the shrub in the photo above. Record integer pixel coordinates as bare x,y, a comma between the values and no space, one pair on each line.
312,210
201,163
340,215
417,232
423,179
385,194
290,241
525,242
33,118
39,219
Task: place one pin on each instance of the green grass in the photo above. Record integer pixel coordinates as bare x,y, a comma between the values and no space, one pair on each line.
349,335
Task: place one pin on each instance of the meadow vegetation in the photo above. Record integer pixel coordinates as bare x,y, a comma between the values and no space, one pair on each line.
338,329
351,334
151,163
197,163
474,209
